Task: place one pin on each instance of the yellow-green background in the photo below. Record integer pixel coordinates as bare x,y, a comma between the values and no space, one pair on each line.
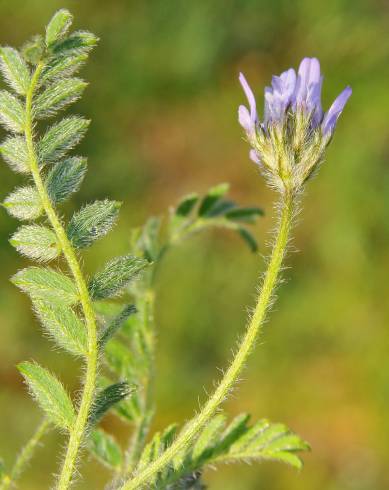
163,100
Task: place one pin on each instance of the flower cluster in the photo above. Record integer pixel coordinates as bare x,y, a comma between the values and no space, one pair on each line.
289,143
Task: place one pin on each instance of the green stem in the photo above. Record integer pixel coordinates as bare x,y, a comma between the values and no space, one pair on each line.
77,432
268,285
25,455
142,425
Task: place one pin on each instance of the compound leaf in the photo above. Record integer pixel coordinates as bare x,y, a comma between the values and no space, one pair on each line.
115,324
58,26
61,138
15,153
104,447
115,276
107,398
12,113
50,394
46,284
92,222
24,203
63,326
15,70
212,197
79,42
36,242
58,96
65,178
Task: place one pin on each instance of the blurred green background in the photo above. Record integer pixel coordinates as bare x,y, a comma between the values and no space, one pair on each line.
163,101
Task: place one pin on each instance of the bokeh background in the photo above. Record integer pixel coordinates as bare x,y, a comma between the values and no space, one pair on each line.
163,101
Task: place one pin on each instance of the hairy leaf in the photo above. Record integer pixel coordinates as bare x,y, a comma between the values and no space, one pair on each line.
92,222
15,70
204,445
24,203
115,276
15,153
268,441
46,284
63,326
115,324
33,50
212,197
61,138
60,67
49,393
12,113
107,398
65,177
104,447
58,96
36,242
58,26
238,442
78,42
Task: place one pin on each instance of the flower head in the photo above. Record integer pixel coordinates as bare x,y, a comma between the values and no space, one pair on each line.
290,141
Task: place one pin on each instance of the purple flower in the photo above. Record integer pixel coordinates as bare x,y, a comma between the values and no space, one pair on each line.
291,93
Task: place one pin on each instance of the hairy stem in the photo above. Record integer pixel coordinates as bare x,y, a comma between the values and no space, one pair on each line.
25,455
78,431
269,282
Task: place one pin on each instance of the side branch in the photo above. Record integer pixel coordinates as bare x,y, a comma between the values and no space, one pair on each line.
186,437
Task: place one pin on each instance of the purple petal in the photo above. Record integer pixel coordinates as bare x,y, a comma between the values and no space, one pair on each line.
314,102
331,116
250,97
308,75
254,157
245,119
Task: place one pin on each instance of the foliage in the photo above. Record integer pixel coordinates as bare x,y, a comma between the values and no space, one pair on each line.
114,340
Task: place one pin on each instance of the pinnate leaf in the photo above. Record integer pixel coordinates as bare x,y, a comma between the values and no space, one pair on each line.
107,398
12,113
104,447
33,50
50,394
212,197
92,222
248,238
60,67
79,42
115,276
186,205
15,70
36,242
58,26
24,203
65,177
58,96
63,326
61,138
46,284
15,153
115,324
247,215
